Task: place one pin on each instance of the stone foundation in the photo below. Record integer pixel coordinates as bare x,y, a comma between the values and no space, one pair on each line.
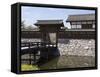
80,47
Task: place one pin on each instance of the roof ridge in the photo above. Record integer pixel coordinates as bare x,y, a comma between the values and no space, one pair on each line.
82,14
51,20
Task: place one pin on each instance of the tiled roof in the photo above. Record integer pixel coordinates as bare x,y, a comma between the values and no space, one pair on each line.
48,22
81,17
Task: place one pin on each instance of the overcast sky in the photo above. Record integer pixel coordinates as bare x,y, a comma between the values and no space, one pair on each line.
31,14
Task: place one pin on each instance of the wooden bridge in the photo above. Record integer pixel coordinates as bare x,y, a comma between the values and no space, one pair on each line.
33,48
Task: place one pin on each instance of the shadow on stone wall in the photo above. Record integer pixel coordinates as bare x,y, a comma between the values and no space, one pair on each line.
64,41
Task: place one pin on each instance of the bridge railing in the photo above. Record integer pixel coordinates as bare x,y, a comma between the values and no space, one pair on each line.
37,44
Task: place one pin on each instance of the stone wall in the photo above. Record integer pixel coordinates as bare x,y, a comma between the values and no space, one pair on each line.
80,47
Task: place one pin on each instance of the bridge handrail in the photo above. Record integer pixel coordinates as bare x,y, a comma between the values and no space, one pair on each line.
28,44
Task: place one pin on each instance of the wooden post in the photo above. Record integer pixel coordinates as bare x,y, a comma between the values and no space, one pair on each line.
29,54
